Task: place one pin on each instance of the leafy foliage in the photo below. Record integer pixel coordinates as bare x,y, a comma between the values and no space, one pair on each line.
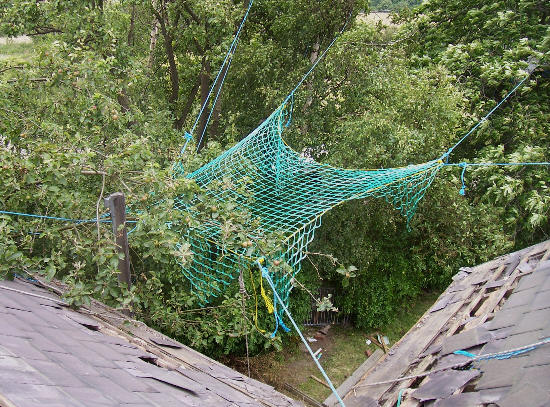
103,104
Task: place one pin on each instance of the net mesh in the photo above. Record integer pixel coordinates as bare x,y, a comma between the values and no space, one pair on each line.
288,193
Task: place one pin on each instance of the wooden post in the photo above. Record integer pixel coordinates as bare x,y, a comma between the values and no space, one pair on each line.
116,204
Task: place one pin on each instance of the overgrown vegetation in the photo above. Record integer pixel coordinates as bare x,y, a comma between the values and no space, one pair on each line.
109,89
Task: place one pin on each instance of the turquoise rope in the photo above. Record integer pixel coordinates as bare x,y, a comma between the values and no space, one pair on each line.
228,55
214,103
464,165
32,215
278,319
400,396
265,274
465,353
446,155
494,164
320,58
504,354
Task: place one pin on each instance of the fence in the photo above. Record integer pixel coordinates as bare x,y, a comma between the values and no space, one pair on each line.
318,318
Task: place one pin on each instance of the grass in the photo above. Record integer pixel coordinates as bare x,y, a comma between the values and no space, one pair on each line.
16,53
343,352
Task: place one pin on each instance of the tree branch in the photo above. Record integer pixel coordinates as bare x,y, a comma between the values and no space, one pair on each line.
45,30
191,13
188,104
11,67
169,48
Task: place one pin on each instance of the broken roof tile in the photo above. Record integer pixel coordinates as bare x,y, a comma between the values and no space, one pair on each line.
127,381
430,351
460,400
84,320
459,276
165,342
477,279
466,340
513,262
532,321
452,360
442,303
518,395
506,319
50,357
499,373
495,284
541,301
443,384
519,298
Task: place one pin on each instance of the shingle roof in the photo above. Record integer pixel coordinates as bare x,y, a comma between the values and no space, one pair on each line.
497,306
51,355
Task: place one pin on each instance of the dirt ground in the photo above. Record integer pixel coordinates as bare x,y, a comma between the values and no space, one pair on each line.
343,351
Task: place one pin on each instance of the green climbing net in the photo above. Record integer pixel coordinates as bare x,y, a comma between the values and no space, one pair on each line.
290,194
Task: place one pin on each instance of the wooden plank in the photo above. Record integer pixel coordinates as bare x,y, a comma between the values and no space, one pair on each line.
5,402
302,395
320,381
116,204
346,386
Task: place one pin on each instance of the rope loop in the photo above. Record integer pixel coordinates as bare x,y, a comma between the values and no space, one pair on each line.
462,165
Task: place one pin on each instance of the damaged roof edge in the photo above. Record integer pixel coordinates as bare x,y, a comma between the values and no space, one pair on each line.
472,314
52,355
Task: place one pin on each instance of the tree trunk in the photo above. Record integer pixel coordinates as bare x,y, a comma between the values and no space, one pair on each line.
153,40
153,43
214,130
312,58
131,34
188,104
169,48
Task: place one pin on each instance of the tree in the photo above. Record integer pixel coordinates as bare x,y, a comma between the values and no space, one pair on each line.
487,47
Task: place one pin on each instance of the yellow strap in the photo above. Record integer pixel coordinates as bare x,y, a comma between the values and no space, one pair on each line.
267,300
256,302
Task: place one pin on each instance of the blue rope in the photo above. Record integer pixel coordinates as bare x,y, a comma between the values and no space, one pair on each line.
32,215
465,353
214,103
446,155
319,59
228,55
464,165
494,164
463,188
400,396
265,274
507,354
